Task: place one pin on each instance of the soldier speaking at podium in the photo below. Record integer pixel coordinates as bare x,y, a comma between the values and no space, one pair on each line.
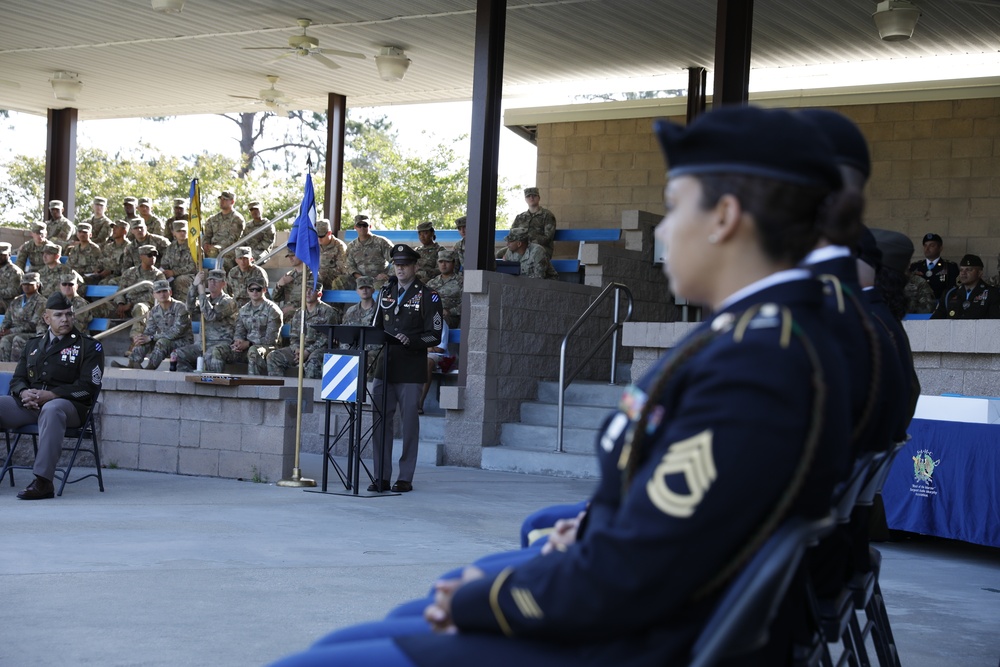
410,312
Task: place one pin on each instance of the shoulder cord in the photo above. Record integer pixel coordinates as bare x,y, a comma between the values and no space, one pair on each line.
875,356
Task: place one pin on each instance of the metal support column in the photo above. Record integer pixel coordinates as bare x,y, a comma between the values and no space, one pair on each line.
60,161
697,76
733,30
333,188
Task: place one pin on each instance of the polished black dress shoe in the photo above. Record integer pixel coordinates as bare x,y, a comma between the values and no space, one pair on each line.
402,486
375,487
40,489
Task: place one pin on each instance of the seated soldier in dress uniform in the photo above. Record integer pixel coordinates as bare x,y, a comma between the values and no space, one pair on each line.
939,273
972,298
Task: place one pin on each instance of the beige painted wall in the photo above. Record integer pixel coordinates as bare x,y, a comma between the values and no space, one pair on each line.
935,167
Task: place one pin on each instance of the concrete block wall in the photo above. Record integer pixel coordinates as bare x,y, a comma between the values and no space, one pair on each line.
935,167
956,357
513,328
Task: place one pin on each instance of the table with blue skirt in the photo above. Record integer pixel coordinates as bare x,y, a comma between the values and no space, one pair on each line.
946,482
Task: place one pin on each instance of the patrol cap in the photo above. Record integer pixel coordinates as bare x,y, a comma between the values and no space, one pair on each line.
253,204
55,203
897,249
227,194
180,203
404,254
84,227
849,145
461,222
217,274
361,221
148,251
366,281
68,278
258,280
747,140
137,222
519,234
4,248
38,228
972,260
179,225
244,251
932,237
868,250
425,227
160,285
144,201
289,252
30,277
322,226
100,200
119,223
531,191
51,249
129,200
58,301
447,256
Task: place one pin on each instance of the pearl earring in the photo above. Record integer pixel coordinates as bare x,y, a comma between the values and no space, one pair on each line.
713,239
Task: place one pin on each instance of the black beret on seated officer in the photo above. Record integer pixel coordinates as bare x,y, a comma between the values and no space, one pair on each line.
704,456
56,382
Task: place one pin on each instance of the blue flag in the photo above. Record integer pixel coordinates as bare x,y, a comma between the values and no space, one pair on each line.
302,240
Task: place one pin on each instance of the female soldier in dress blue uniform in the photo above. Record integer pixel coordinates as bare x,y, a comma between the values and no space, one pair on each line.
741,426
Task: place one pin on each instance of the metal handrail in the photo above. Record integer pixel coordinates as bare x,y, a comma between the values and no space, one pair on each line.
101,302
116,328
612,333
272,252
242,241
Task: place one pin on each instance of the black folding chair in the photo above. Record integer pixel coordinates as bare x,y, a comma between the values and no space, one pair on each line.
742,618
79,433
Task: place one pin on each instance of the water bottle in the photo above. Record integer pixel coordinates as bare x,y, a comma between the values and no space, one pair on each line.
173,361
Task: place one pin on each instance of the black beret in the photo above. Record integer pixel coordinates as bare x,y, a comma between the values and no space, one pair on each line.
771,143
403,252
897,249
58,301
849,145
868,250
971,260
932,237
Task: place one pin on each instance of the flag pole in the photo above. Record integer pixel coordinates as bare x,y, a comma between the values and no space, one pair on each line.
297,480
195,231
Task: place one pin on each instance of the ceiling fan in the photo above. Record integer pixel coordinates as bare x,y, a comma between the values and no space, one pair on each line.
272,98
305,45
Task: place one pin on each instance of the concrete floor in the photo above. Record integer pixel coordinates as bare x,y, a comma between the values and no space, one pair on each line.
170,570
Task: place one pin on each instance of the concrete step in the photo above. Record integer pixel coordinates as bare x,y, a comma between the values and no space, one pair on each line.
553,464
547,414
595,394
543,438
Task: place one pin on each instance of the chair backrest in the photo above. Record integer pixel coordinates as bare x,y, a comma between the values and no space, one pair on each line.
741,620
845,495
876,477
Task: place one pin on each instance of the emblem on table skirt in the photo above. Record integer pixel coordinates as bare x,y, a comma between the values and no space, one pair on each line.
924,466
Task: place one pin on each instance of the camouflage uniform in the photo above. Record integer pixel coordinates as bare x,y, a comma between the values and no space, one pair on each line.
118,258
289,297
155,226
427,266
263,241
237,281
168,330
51,276
919,295
10,284
161,242
358,316
100,228
60,230
333,265
261,325
459,249
450,291
534,262
169,221
141,300
223,230
541,228
81,322
85,260
29,250
220,321
369,258
21,322
284,358
177,258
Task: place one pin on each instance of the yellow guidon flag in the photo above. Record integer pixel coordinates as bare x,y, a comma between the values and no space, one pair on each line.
194,223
